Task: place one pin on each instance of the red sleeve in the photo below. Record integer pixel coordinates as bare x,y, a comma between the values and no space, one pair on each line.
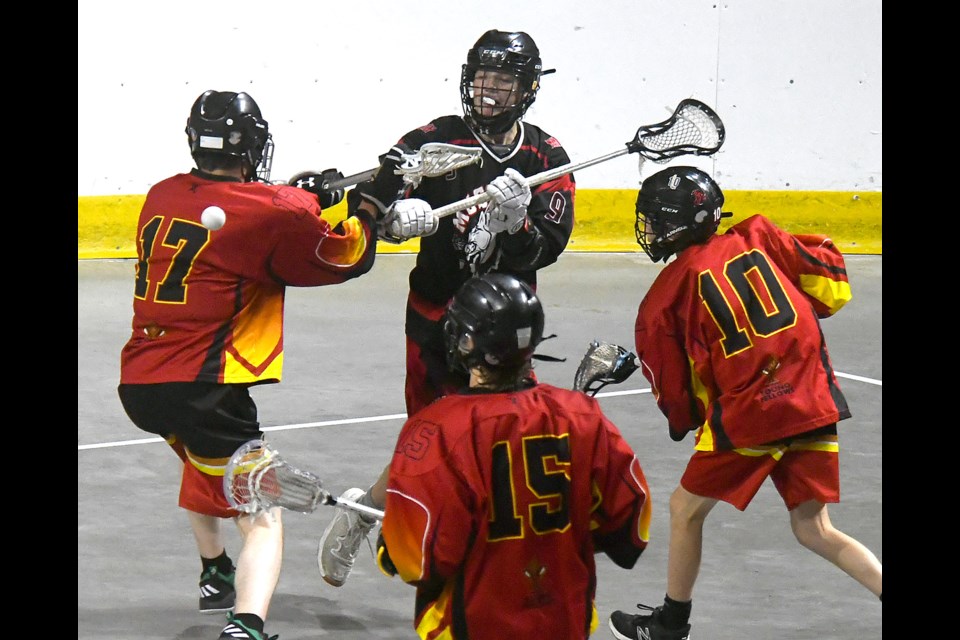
306,251
622,506
426,488
664,361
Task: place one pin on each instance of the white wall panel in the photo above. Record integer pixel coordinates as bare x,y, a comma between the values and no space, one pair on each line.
797,83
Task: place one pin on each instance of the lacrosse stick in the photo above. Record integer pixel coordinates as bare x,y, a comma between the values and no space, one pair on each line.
432,160
603,363
694,128
257,479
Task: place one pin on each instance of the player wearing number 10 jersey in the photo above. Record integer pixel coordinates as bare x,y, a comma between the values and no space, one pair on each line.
729,337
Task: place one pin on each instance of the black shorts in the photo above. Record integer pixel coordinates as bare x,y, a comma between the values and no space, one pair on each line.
211,420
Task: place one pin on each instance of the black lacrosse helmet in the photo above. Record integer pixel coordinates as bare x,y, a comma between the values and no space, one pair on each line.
677,207
494,320
230,123
507,52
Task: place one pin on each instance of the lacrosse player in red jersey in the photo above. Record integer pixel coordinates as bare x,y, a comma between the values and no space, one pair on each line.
518,232
500,495
208,324
729,337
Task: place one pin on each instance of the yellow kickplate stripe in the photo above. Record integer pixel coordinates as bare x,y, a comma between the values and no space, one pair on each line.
106,225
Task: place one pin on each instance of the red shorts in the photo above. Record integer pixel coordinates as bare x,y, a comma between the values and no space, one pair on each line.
201,485
204,423
802,469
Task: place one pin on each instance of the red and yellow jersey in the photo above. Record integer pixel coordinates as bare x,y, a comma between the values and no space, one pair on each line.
730,339
208,305
496,505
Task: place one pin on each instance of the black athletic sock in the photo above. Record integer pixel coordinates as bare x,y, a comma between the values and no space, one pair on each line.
250,621
675,614
222,562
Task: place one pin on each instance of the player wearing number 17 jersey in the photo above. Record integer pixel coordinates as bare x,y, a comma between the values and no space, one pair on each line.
500,495
729,337
208,324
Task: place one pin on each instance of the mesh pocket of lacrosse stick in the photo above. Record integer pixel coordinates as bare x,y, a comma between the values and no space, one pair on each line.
694,128
604,363
257,478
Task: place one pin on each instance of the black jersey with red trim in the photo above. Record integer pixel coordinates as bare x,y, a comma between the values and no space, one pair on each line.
463,246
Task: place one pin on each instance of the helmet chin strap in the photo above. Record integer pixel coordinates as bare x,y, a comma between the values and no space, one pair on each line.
500,138
505,138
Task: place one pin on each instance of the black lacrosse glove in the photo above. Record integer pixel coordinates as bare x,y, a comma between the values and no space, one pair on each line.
313,182
383,557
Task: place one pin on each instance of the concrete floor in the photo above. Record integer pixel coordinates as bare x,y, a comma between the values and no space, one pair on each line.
338,411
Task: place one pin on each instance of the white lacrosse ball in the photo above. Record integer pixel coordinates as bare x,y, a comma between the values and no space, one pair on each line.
213,217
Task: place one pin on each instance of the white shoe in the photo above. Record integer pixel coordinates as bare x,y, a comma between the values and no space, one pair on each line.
340,542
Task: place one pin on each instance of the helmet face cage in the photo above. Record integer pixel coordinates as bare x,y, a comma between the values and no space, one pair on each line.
228,123
515,54
495,320
645,230
676,208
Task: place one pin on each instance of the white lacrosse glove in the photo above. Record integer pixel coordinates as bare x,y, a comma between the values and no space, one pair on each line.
409,218
509,197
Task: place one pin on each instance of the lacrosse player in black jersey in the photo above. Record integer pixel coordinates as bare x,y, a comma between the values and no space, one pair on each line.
518,231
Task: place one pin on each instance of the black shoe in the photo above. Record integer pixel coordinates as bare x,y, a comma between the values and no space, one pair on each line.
217,594
645,627
236,630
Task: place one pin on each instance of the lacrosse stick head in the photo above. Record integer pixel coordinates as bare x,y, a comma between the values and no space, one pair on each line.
693,129
435,159
257,478
604,363
677,207
246,463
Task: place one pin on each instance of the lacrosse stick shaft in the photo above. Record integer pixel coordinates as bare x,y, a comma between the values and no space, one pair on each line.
355,506
349,181
694,128
533,181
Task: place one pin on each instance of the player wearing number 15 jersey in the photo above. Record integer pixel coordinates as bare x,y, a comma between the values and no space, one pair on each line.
500,495
729,337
